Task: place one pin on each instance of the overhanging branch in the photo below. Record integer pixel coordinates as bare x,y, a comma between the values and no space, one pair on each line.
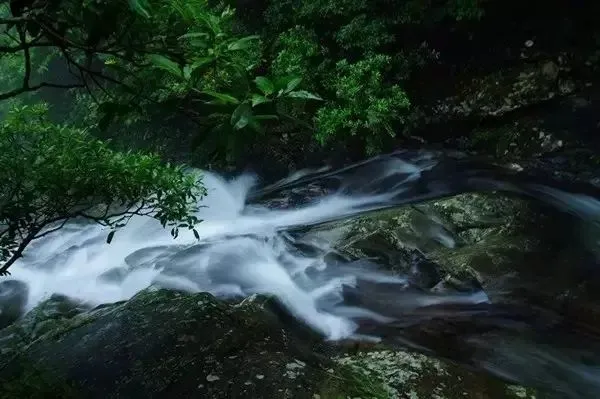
22,46
21,90
14,20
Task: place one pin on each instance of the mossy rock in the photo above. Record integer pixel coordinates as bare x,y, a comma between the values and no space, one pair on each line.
467,236
413,376
165,344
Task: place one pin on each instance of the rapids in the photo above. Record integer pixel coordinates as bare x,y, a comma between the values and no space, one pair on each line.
249,245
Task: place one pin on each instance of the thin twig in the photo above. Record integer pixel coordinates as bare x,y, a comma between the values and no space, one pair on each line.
52,230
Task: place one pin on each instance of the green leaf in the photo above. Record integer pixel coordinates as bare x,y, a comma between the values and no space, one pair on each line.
265,85
198,62
197,39
187,72
166,64
211,21
197,65
196,234
221,97
243,43
140,7
292,84
258,99
241,116
110,237
304,95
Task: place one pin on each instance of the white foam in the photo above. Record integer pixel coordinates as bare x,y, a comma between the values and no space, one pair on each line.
239,253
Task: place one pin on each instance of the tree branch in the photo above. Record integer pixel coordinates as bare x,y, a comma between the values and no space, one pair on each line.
19,252
14,20
21,90
45,233
23,46
27,54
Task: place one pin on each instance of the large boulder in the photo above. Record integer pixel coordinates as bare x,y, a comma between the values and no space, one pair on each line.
168,344
163,344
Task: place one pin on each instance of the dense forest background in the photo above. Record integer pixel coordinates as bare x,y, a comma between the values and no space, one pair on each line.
102,102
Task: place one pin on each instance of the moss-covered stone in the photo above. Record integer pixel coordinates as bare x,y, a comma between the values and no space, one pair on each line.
470,235
413,376
166,344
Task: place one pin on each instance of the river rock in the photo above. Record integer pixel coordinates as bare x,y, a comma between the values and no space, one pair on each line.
466,236
164,344
539,285
412,376
168,344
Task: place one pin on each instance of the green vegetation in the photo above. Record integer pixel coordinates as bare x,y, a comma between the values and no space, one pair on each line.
37,384
357,55
87,85
352,382
140,83
52,173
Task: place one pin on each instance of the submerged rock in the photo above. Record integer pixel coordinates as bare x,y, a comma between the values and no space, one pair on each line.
445,239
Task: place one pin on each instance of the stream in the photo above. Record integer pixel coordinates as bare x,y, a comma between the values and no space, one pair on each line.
254,239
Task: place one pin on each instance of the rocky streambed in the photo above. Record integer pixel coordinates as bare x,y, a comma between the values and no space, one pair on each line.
164,343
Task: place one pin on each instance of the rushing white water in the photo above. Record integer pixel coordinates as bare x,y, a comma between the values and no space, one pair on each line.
242,250
245,249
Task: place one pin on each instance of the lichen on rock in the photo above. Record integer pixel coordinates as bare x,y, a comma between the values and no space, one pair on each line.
412,376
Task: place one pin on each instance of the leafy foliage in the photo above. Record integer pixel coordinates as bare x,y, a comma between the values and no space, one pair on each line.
52,173
297,51
364,103
357,54
142,59
192,77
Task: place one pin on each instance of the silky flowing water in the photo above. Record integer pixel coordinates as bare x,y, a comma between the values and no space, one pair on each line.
250,241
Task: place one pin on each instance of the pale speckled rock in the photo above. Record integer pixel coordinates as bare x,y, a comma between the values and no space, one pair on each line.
498,93
414,376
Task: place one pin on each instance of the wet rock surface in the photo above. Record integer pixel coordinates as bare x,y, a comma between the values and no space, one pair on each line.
527,315
159,344
165,344
529,285
412,376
